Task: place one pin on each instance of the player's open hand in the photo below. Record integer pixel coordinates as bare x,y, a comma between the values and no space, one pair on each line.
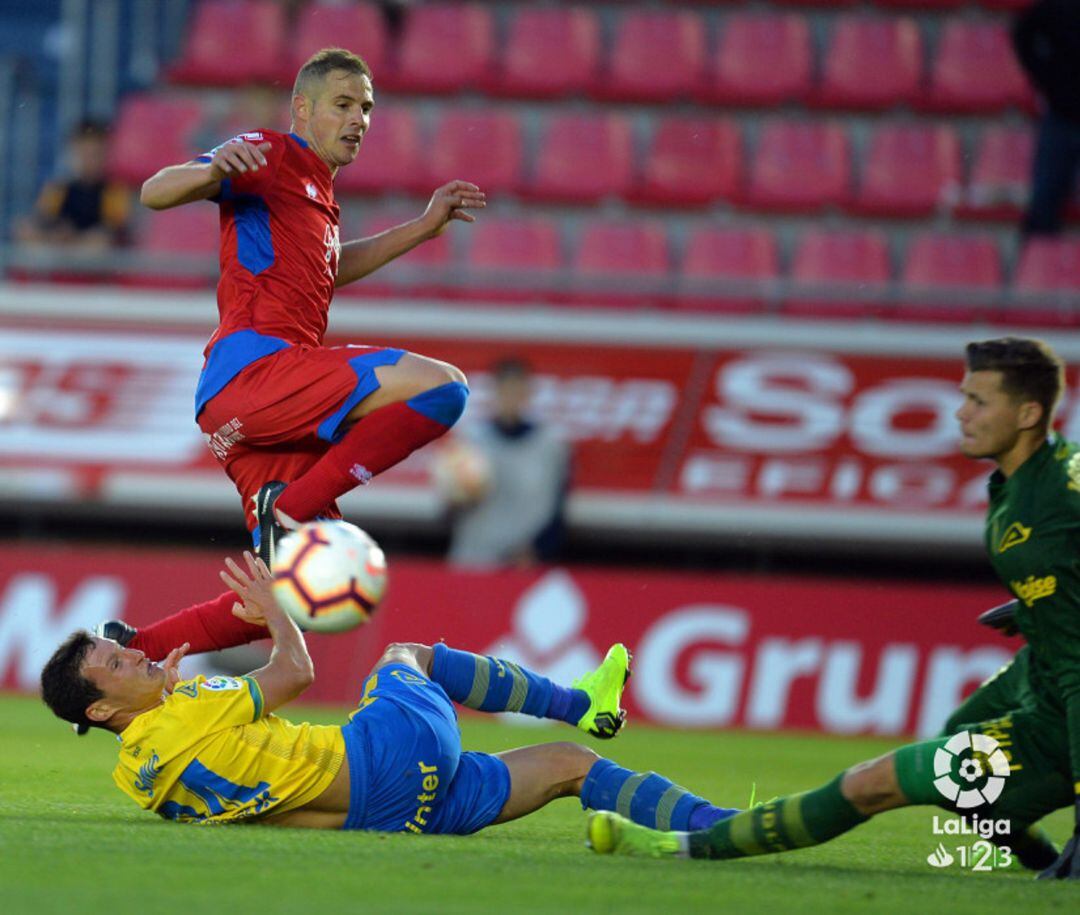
253,587
237,157
453,201
171,666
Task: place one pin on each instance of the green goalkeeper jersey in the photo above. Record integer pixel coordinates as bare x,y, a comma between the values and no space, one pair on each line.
1033,538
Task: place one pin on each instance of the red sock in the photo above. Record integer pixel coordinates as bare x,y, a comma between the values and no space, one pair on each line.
379,441
210,626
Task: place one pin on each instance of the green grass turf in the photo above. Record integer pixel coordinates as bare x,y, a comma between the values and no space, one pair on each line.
71,842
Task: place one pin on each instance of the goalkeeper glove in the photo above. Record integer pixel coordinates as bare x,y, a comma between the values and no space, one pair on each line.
1002,617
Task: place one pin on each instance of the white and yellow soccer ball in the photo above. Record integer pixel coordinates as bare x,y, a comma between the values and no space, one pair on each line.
329,576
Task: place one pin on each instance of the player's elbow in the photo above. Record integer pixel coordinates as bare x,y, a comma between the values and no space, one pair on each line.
151,197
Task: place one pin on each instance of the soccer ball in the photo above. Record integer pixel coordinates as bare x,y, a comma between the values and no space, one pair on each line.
329,576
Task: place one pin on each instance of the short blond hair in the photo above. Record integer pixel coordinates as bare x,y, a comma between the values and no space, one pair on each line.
322,63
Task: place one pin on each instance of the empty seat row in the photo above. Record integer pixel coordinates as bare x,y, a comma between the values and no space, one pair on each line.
906,170
535,255
870,62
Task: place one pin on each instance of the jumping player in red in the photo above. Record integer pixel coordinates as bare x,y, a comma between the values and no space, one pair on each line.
296,424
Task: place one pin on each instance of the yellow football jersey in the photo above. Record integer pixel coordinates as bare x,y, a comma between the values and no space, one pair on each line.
208,754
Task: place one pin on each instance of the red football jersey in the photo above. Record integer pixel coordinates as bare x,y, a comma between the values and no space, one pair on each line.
280,243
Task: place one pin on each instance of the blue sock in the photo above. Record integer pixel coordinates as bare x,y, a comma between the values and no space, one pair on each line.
492,685
647,798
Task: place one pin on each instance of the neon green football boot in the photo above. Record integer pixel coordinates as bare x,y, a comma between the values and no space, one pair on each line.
608,833
604,686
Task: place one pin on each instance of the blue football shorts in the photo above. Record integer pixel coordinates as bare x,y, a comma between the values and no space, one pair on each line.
406,767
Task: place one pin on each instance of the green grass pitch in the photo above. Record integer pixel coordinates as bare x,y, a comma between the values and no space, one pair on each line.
70,842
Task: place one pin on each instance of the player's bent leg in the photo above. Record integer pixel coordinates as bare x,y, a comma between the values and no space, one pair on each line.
208,626
540,774
490,684
417,401
411,654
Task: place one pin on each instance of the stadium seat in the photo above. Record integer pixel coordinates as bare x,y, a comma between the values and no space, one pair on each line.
583,158
1047,283
515,258
910,170
998,186
975,70
950,277
761,60
483,147
658,55
445,47
871,63
728,269
178,247
153,131
211,57
326,25
549,52
800,167
391,157
835,274
619,262
426,270
691,161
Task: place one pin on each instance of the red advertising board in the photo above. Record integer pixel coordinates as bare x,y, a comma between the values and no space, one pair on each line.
714,651
795,434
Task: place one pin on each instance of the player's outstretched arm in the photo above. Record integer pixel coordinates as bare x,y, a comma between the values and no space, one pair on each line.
365,255
289,671
191,181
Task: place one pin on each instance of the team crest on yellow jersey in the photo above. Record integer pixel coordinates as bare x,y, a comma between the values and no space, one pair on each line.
1014,535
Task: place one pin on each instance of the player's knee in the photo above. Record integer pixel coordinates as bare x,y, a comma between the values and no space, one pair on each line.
573,760
872,786
411,654
444,403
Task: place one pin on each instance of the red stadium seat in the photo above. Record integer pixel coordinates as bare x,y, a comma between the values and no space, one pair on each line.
483,147
998,187
692,161
584,158
950,277
839,273
976,70
211,55
549,52
426,270
1047,283
391,157
619,263
360,25
445,47
658,55
871,63
153,131
178,247
515,258
729,269
909,171
799,167
761,60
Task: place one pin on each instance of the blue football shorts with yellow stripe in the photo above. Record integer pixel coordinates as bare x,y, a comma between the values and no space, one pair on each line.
406,766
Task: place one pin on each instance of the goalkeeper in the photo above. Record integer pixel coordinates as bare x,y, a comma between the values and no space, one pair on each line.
210,751
1031,707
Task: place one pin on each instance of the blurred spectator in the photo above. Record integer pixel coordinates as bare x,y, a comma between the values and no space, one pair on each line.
1047,40
506,480
85,210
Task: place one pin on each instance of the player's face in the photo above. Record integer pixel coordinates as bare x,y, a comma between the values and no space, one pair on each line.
339,115
125,675
990,418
